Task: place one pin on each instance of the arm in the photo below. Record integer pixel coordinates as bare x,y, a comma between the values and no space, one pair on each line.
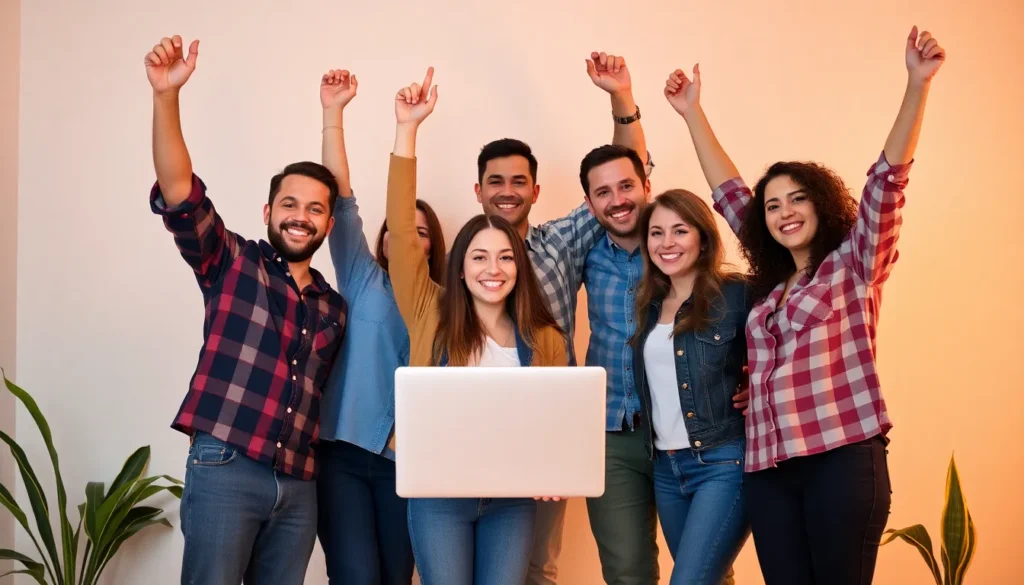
730,194
337,88
610,73
410,273
179,196
870,249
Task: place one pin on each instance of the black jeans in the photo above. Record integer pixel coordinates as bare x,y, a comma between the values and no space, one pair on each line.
818,520
362,521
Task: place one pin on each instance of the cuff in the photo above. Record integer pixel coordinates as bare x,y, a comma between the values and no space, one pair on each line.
194,199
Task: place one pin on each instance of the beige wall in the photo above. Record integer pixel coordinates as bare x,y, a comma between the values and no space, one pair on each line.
10,50
110,319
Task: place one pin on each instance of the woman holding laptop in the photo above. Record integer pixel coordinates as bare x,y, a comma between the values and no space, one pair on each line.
490,312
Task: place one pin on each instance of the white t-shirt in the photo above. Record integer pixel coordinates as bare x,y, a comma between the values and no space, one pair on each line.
495,355
667,413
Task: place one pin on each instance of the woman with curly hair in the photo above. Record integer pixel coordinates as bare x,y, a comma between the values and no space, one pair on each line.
817,481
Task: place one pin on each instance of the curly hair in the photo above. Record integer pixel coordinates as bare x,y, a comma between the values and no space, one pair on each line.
770,262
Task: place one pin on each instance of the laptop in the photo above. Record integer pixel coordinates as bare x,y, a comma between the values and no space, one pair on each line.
499,432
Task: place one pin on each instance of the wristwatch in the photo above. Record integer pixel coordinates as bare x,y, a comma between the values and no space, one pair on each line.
628,119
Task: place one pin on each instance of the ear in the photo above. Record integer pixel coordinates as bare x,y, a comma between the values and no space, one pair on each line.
590,206
479,198
536,193
266,214
647,189
330,224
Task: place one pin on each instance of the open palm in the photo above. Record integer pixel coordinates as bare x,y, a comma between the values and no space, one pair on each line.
337,88
924,55
681,91
414,103
166,66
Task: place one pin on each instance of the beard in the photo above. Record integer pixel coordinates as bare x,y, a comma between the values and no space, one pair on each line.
294,253
617,230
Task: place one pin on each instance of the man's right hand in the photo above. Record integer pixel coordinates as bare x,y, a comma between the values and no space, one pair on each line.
414,103
166,66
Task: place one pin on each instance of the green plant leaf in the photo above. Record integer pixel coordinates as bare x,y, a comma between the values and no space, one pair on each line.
972,544
101,551
37,499
954,524
93,500
70,556
917,535
8,501
37,570
131,470
130,531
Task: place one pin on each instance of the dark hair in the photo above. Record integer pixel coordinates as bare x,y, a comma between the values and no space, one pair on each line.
707,287
459,331
770,262
309,169
605,154
437,259
502,148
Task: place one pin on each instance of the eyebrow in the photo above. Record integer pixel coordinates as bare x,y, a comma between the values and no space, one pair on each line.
790,194
682,225
501,176
485,251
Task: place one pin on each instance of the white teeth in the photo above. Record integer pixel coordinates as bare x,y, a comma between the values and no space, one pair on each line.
297,232
790,227
620,214
670,257
507,206
494,284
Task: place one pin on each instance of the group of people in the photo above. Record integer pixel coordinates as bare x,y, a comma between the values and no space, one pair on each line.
736,403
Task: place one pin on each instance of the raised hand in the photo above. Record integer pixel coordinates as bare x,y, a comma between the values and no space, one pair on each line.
681,91
337,88
166,66
414,103
609,72
924,56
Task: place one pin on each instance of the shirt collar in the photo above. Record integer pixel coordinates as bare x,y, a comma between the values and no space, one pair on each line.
319,282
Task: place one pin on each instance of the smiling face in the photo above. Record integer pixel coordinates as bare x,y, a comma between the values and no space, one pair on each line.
617,196
489,267
790,214
299,218
508,190
673,245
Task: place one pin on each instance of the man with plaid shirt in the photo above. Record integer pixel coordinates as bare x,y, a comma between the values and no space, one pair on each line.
507,174
273,327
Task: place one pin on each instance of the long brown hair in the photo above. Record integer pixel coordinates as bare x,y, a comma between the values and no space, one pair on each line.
707,286
436,260
459,331
770,262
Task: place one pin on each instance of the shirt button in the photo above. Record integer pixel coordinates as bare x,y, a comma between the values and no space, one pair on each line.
892,178
295,362
697,443
293,378
679,352
690,415
717,337
685,385
279,444
289,410
303,331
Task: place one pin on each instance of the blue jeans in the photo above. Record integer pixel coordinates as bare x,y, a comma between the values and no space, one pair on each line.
243,520
363,523
702,510
472,541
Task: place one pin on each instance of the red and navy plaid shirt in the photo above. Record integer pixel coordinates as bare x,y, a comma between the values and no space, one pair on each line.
813,381
266,347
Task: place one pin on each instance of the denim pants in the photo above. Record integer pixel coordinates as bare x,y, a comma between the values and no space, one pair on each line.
702,510
363,525
819,519
243,520
472,541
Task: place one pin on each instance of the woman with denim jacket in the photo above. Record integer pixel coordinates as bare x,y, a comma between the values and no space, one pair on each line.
362,521
817,481
490,312
689,338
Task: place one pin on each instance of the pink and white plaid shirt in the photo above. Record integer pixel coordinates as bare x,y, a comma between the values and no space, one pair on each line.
813,383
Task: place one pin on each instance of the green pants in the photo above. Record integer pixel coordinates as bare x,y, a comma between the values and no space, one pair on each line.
624,519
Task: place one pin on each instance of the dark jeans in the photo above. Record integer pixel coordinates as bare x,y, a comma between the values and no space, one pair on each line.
818,520
362,521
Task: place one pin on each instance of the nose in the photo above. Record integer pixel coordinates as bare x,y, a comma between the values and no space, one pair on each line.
492,266
668,241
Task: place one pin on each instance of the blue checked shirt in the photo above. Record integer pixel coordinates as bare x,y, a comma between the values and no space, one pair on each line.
612,276
558,250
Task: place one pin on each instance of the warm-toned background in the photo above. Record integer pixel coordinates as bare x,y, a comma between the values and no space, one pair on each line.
109,318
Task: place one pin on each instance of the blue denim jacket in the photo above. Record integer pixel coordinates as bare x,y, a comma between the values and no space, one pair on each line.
709,364
358,404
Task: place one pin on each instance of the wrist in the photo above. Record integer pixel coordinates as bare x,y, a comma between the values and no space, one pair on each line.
917,84
333,116
410,126
166,96
694,112
623,104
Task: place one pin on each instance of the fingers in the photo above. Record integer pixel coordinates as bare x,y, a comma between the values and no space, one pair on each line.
433,97
592,71
912,37
923,39
354,82
427,80
193,53
608,63
152,59
173,54
161,54
696,73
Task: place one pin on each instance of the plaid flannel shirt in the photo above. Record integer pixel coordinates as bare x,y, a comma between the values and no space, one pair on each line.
813,381
267,347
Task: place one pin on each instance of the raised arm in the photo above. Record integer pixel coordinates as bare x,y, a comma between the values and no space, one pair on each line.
609,72
924,56
871,248
407,265
728,190
337,88
168,71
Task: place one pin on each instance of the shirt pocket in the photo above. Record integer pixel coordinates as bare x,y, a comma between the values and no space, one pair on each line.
810,306
328,337
714,343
